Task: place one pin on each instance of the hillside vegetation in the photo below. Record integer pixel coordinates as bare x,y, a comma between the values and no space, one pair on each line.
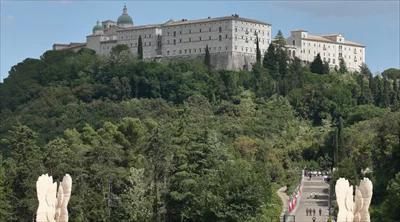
179,141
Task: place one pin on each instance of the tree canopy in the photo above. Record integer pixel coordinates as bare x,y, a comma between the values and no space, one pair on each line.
179,141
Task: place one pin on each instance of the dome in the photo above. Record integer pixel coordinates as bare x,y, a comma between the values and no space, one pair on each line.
97,27
125,19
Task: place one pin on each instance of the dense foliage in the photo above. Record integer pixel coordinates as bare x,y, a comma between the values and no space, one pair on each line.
179,141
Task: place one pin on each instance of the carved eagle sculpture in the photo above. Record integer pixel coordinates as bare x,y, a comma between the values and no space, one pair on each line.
353,208
52,203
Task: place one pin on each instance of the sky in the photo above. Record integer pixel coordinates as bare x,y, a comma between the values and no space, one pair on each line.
29,28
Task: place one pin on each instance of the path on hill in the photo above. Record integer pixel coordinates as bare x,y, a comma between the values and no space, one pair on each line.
318,187
284,198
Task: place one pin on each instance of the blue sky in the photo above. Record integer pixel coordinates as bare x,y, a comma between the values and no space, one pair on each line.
29,28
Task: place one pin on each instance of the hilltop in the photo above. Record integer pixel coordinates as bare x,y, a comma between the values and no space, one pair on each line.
150,141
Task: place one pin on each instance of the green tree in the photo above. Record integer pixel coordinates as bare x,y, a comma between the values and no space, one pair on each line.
25,167
317,66
5,205
340,142
342,66
386,92
258,52
326,68
391,73
279,40
392,202
270,61
364,70
136,200
140,48
116,50
395,97
296,74
207,58
365,93
378,91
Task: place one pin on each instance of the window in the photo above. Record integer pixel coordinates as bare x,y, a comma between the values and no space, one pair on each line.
209,29
220,29
200,38
190,31
180,40
200,30
185,51
226,36
174,33
180,51
220,38
168,52
174,41
209,37
294,42
190,51
235,29
180,32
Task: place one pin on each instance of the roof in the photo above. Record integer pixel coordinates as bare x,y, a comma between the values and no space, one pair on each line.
71,45
140,27
209,19
323,38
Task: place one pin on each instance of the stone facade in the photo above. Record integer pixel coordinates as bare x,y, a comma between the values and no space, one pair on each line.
331,48
230,39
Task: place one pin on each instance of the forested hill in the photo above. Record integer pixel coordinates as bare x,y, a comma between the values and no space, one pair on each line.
179,141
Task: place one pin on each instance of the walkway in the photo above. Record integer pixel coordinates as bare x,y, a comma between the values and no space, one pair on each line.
284,198
320,189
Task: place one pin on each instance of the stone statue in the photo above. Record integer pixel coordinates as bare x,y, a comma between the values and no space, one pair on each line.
358,203
52,203
353,208
366,192
341,187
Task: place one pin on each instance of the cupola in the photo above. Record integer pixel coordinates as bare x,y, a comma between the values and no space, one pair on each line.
125,20
97,29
